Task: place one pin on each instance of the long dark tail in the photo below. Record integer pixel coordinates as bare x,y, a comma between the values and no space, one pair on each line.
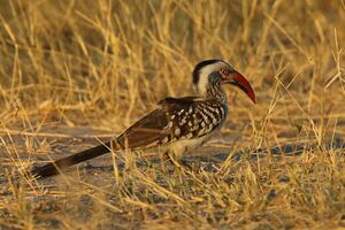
53,168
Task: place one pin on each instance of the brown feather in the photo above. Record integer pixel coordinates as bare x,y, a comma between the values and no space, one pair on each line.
146,131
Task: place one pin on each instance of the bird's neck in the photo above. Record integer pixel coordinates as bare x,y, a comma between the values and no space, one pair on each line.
216,91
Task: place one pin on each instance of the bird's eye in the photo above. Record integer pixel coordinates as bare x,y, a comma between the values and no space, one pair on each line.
225,72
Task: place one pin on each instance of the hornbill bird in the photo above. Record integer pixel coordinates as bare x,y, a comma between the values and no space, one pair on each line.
180,124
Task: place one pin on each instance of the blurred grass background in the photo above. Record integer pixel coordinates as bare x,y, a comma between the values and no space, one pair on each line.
102,64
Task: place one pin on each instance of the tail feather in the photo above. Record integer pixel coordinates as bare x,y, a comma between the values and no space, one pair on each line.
53,168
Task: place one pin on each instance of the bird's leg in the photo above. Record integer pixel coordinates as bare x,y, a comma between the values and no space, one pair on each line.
179,164
172,160
164,159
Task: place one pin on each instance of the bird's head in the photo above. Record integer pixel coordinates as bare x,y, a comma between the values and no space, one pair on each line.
213,73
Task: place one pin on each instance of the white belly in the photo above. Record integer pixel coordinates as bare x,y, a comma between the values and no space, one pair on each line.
184,146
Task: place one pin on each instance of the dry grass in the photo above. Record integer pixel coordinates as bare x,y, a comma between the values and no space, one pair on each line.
67,67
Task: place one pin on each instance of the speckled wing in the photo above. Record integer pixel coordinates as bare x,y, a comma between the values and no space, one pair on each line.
156,127
175,119
192,117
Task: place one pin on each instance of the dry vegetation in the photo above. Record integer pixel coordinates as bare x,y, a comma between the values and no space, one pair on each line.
73,72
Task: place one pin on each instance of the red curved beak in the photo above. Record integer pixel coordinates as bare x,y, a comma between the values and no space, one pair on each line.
243,84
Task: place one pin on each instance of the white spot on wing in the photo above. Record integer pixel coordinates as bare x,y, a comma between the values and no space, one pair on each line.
190,111
177,132
165,140
183,121
180,112
204,117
